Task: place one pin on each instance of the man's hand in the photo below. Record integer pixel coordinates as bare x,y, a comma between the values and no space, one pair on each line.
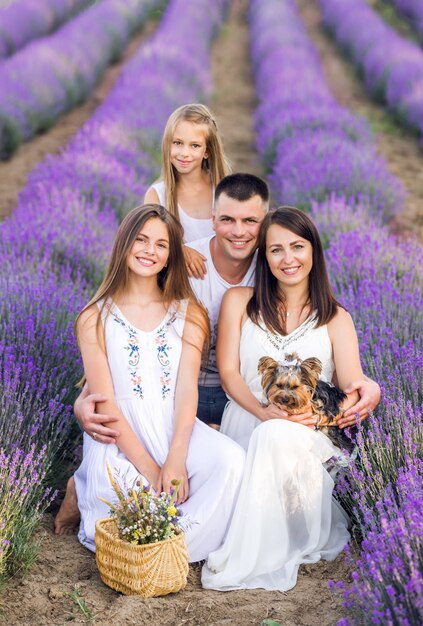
369,392
94,424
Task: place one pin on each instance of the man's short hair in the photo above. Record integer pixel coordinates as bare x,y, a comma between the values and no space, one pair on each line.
242,187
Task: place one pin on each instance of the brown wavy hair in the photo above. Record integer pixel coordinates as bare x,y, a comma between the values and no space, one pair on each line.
172,279
267,303
216,163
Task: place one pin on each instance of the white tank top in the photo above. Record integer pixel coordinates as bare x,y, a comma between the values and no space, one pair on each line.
210,291
194,228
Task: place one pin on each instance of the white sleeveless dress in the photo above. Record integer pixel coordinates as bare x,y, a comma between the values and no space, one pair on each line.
285,514
194,228
144,368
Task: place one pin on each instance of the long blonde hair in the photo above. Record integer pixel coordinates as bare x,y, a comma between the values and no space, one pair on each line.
172,279
216,163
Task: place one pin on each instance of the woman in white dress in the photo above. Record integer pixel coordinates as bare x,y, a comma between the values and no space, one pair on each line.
285,514
141,339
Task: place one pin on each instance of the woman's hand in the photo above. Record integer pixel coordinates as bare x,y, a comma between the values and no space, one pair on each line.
369,392
153,475
195,262
175,468
274,411
271,412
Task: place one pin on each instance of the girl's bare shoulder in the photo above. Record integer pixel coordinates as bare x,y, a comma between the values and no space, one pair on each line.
88,318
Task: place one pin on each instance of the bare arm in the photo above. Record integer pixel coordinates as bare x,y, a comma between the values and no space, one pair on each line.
94,424
186,400
369,392
151,196
99,381
347,363
231,318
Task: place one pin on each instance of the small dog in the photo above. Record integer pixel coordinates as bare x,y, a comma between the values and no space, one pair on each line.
296,385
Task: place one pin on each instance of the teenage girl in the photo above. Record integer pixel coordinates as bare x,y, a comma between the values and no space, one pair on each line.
141,340
193,163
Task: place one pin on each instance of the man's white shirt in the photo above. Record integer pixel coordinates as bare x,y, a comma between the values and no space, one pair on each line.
210,292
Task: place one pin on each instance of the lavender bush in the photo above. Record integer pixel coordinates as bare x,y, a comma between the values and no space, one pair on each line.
24,20
392,66
312,146
22,502
387,588
329,168
413,9
54,247
378,279
51,75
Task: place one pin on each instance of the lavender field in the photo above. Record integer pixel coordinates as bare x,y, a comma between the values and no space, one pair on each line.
317,154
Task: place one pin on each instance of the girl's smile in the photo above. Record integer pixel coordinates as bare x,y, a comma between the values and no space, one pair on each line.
189,146
150,249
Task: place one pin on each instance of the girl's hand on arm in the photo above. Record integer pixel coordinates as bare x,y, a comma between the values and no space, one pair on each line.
99,381
186,401
195,262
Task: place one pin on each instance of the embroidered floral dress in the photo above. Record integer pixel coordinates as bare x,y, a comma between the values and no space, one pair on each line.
285,514
144,368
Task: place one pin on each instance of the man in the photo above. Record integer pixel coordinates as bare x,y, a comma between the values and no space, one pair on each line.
241,203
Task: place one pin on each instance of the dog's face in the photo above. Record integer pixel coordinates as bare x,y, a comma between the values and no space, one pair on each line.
290,383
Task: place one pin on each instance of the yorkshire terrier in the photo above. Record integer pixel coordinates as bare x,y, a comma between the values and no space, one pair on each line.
296,385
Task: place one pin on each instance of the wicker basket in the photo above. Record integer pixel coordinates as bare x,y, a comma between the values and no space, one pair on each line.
153,569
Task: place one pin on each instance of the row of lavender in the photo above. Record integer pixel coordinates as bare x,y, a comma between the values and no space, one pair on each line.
413,10
322,157
22,21
53,74
392,66
54,248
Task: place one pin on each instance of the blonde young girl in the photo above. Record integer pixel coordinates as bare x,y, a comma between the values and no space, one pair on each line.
193,163
141,339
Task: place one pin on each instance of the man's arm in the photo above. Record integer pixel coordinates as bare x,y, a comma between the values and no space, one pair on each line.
369,392
91,422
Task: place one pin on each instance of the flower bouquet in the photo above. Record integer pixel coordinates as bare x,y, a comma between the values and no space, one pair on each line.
140,549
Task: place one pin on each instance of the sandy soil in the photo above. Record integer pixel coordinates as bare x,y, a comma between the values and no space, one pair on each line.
401,150
66,572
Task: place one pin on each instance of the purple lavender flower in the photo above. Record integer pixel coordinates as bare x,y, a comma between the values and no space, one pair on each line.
24,20
52,74
392,66
313,146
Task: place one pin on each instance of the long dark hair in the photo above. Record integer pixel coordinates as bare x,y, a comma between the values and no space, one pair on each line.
172,279
267,302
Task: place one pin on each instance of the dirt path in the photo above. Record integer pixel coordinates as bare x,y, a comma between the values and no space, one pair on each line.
234,99
64,585
400,149
14,172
